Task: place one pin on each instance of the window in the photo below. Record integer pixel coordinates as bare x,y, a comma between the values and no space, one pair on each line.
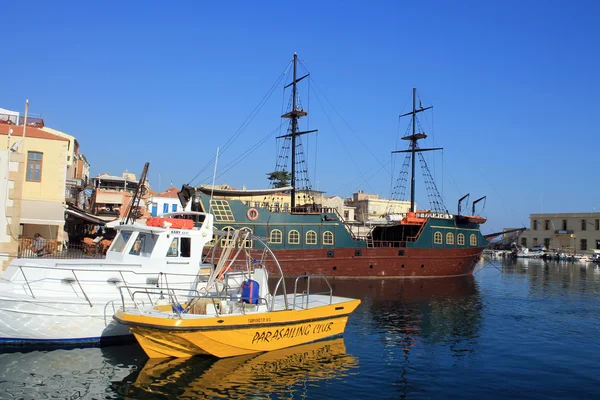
228,237
286,207
437,238
174,208
144,244
165,208
546,225
221,210
460,239
473,240
327,237
564,224
535,224
597,244
186,247
256,204
311,237
583,224
346,214
173,248
34,166
547,243
535,243
247,243
294,237
120,241
598,224
449,238
583,244
276,236
524,242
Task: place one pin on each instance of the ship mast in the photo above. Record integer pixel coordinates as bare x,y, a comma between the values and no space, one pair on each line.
413,144
294,114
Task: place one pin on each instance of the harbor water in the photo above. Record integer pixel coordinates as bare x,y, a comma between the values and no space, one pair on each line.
524,329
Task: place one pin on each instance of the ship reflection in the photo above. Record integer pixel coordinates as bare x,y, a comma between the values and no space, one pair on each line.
402,311
282,372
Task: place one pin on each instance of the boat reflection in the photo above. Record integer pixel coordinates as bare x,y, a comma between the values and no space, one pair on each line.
66,374
403,312
281,372
555,276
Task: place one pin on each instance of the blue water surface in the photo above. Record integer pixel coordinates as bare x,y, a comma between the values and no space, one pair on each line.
524,329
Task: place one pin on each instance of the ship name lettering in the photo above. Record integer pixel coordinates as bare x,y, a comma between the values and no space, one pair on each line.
268,336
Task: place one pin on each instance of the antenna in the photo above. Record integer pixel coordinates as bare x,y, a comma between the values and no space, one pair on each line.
212,189
25,119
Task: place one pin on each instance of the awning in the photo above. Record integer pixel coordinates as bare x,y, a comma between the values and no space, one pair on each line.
109,198
41,212
85,216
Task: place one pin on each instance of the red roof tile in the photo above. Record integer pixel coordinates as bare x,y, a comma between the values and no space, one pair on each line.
31,132
169,193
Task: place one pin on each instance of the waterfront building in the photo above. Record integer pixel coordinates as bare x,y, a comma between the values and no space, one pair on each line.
372,208
112,196
78,171
566,232
38,171
164,202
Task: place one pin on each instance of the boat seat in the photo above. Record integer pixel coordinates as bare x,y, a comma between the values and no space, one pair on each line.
199,305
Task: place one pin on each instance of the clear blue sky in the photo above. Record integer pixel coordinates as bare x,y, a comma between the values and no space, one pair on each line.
514,86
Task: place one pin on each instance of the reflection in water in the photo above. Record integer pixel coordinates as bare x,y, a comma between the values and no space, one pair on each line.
551,276
446,309
282,372
400,319
76,373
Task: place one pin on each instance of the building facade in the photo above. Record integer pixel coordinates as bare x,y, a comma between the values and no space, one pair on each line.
40,208
164,202
11,188
113,194
565,232
370,207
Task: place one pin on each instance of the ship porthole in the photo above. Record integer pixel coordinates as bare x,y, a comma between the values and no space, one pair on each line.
402,265
422,265
370,266
334,268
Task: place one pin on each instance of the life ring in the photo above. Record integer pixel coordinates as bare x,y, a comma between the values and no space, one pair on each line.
252,214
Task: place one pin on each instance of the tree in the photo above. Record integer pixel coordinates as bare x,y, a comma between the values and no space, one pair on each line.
279,179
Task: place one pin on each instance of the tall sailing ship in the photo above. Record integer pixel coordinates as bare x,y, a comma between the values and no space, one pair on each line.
311,239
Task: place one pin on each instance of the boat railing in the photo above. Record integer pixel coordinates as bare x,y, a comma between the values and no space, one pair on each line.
154,278
179,307
305,296
159,294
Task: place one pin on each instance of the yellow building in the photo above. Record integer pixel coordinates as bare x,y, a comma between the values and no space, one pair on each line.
42,180
77,165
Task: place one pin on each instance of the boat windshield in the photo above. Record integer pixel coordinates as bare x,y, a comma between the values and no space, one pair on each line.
144,244
120,241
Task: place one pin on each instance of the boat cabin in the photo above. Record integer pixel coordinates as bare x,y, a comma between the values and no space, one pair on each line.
178,238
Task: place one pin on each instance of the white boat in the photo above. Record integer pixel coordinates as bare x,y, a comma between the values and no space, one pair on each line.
50,300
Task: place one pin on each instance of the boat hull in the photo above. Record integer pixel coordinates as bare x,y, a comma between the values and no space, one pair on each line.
226,336
26,321
392,262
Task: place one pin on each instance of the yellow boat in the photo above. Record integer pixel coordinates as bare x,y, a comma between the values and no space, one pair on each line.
251,320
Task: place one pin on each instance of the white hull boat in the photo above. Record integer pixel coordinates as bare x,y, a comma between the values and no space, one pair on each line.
46,300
